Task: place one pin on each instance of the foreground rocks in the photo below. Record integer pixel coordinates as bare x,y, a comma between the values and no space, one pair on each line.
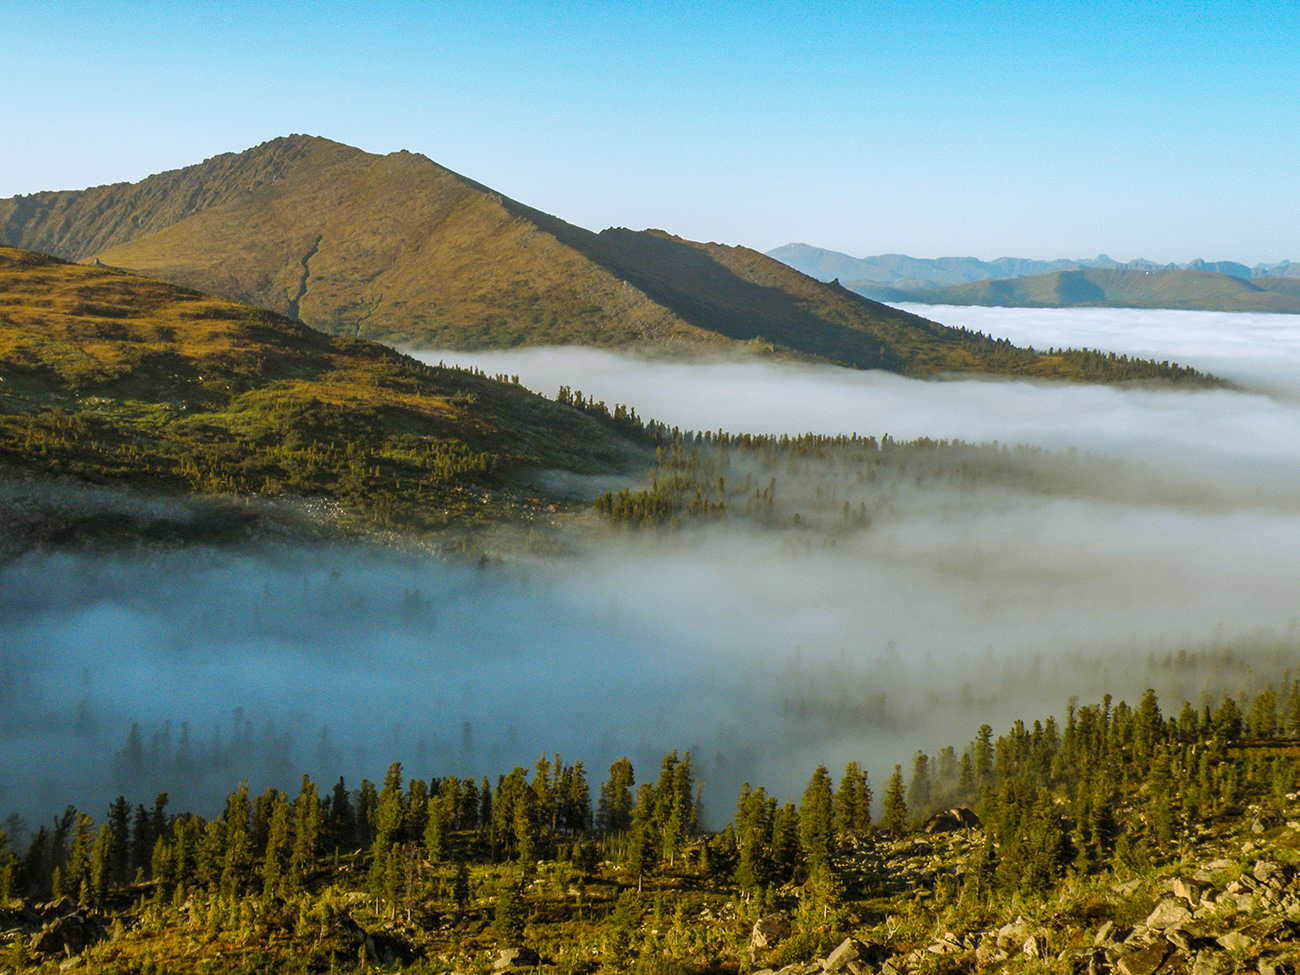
1216,916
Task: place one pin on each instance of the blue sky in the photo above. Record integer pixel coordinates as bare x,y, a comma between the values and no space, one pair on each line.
1166,131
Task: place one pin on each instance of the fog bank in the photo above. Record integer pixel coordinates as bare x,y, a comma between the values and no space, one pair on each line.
1148,539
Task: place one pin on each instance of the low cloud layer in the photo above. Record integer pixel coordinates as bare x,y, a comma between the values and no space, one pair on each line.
1149,542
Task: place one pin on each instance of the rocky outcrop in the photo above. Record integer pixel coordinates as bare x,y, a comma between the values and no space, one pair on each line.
951,820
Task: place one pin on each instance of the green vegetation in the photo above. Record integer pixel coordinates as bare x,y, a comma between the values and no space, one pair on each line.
113,379
1075,820
828,486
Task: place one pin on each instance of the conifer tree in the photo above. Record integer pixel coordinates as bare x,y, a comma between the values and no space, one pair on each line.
460,886
853,802
784,857
894,814
815,818
436,830
918,790
307,831
101,867
279,840
614,811
142,841
76,873
341,820
119,821
641,845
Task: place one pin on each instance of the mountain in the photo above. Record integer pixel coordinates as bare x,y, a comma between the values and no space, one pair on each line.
114,379
896,277
1189,290
401,250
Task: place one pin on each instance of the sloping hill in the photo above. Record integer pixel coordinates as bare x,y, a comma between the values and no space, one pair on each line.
398,249
115,379
1189,290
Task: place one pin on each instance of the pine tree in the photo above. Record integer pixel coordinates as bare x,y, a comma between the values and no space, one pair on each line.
119,821
918,791
436,830
641,845
76,873
853,802
101,867
508,916
307,831
279,839
894,818
815,819
340,820
614,812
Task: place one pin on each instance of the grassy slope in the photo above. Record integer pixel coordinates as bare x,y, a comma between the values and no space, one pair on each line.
114,378
1190,290
399,249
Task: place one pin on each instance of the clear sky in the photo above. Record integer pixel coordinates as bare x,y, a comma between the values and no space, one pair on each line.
1140,129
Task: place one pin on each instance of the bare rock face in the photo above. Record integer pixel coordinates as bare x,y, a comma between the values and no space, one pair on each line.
769,931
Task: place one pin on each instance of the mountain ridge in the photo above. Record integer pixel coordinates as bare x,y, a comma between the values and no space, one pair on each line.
399,249
916,273
1184,290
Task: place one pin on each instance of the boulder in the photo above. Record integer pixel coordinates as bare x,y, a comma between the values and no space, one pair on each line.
1272,874
1188,890
1181,939
1265,820
854,955
951,820
1144,961
1169,913
769,931
1276,964
518,957
1210,962
1235,940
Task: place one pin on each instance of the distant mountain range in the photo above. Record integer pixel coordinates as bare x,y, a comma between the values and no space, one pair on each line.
1009,281
401,250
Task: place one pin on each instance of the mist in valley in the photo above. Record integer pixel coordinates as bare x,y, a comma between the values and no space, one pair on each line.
862,604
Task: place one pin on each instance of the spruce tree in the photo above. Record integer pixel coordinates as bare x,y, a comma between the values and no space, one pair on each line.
614,811
815,819
853,803
894,817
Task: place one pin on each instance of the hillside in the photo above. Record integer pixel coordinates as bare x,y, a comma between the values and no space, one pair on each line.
114,379
398,249
1188,290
